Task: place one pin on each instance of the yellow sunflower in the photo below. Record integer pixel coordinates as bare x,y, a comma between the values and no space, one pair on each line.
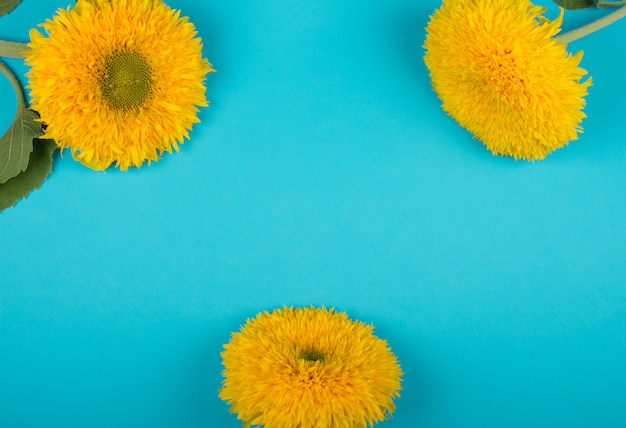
501,73
309,368
117,80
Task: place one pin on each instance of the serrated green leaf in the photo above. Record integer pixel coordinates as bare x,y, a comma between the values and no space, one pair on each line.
575,4
39,166
17,143
7,6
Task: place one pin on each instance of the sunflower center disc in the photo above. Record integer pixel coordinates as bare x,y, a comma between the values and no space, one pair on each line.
126,82
312,356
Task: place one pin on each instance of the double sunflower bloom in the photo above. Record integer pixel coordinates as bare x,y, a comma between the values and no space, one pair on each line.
501,73
309,368
117,80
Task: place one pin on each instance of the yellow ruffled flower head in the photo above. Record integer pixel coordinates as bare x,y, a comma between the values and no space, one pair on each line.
117,80
499,71
309,368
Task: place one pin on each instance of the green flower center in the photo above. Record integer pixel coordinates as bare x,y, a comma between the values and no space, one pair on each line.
312,356
127,80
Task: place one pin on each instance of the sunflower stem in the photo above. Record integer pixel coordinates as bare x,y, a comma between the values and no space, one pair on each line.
12,49
594,26
4,69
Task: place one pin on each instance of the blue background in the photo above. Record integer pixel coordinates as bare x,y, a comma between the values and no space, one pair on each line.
324,172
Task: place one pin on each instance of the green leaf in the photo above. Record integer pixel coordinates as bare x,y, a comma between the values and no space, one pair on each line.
575,4
610,3
7,6
17,142
581,4
39,166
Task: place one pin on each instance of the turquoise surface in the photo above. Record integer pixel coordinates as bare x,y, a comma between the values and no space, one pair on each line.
324,173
